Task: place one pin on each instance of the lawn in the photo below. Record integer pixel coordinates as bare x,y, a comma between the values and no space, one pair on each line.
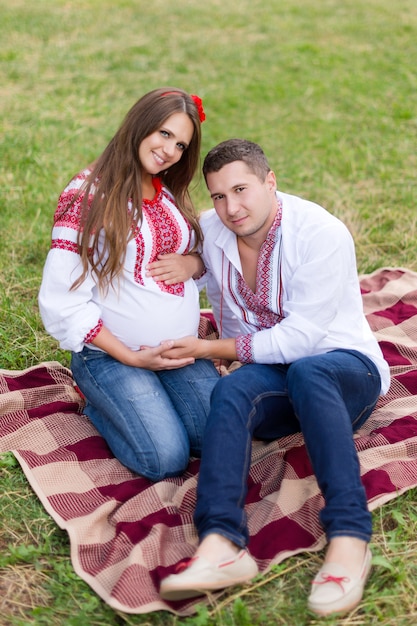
329,89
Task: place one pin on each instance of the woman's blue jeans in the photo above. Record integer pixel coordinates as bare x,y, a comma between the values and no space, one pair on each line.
152,421
326,397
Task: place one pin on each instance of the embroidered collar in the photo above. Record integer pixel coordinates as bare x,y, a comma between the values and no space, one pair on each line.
276,223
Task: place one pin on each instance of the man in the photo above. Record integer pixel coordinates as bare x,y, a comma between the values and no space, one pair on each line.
282,280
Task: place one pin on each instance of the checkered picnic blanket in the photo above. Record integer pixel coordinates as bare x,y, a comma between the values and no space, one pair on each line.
127,533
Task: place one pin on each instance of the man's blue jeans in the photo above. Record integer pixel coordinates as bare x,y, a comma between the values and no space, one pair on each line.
326,397
152,421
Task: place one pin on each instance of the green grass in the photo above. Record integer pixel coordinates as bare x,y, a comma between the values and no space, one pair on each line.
328,88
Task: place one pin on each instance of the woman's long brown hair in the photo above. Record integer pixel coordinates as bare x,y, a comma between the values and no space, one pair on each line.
116,180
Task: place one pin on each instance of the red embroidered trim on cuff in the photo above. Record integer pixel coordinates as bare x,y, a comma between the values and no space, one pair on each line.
244,349
93,332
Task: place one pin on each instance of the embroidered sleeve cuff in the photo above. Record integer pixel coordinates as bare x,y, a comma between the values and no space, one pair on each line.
244,348
93,332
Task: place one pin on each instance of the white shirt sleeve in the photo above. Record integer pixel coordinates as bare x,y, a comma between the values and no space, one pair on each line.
69,316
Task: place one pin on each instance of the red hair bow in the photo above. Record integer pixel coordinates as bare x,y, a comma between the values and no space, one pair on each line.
199,104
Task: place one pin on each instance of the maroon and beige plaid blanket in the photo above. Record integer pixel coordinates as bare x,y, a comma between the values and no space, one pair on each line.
127,533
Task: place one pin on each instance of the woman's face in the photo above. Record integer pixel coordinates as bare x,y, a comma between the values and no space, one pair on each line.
164,147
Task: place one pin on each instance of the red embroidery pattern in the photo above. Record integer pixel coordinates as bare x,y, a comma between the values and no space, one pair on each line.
265,304
267,288
244,348
166,237
140,251
64,244
68,211
93,332
67,214
258,304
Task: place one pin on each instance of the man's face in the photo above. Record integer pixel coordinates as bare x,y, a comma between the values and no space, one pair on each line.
245,204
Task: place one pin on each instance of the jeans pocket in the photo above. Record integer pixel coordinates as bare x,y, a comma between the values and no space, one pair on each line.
87,354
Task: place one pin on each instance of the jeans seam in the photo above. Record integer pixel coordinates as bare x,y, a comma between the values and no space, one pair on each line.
248,455
363,412
245,473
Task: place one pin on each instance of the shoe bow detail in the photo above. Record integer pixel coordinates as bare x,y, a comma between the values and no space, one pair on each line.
183,565
328,578
346,591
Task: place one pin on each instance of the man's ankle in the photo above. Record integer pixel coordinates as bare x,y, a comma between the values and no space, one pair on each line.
347,551
216,548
